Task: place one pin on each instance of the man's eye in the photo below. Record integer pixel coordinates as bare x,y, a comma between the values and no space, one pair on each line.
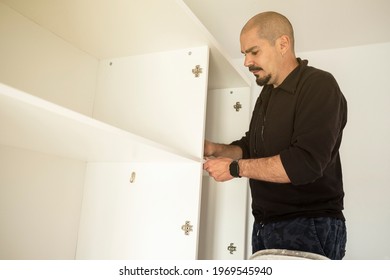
254,53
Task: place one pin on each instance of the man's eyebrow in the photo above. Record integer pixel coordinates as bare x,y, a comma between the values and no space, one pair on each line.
250,50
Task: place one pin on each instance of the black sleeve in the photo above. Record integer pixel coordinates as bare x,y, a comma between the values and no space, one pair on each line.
243,144
319,121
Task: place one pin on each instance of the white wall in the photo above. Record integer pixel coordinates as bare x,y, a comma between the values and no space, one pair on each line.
39,205
40,63
363,75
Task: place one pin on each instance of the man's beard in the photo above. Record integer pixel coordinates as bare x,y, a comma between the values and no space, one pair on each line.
260,81
263,81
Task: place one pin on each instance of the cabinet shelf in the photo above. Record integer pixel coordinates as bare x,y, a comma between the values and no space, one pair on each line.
28,122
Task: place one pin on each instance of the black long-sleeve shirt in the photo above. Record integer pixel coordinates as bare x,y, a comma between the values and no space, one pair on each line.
302,120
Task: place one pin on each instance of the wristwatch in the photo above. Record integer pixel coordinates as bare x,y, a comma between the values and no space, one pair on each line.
234,169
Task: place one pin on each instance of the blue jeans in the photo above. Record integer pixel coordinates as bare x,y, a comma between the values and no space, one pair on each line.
324,236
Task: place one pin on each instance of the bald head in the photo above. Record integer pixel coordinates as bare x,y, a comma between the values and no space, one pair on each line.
270,26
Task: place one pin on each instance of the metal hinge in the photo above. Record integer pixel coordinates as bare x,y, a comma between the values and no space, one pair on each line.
197,71
237,106
231,248
187,227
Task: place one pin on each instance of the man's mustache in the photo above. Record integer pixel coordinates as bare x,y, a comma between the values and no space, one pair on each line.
254,68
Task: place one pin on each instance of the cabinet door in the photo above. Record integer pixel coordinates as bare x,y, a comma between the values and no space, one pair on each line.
224,205
140,211
160,96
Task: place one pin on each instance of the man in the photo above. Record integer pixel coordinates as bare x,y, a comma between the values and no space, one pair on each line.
291,151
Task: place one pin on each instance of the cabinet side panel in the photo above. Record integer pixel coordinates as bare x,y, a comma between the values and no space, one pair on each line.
223,212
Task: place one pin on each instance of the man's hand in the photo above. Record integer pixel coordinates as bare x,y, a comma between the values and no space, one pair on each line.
209,148
218,168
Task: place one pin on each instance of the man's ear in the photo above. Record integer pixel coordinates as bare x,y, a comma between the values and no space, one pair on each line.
284,44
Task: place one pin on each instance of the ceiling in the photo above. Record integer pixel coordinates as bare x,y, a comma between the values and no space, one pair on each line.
318,24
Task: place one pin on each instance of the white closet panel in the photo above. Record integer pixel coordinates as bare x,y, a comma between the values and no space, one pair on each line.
223,216
157,96
138,210
228,112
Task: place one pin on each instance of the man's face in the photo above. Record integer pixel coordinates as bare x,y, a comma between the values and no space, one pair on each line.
260,57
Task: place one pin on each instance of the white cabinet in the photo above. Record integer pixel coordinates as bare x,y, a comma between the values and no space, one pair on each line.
166,102
134,189
134,158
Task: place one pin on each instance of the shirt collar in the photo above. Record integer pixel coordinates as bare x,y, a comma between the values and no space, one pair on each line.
290,83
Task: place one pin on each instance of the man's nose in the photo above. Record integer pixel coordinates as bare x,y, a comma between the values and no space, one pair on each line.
247,61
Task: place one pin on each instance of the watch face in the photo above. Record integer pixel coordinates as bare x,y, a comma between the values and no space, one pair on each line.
234,169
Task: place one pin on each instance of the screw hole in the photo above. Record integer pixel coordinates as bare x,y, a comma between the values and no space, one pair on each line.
132,177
